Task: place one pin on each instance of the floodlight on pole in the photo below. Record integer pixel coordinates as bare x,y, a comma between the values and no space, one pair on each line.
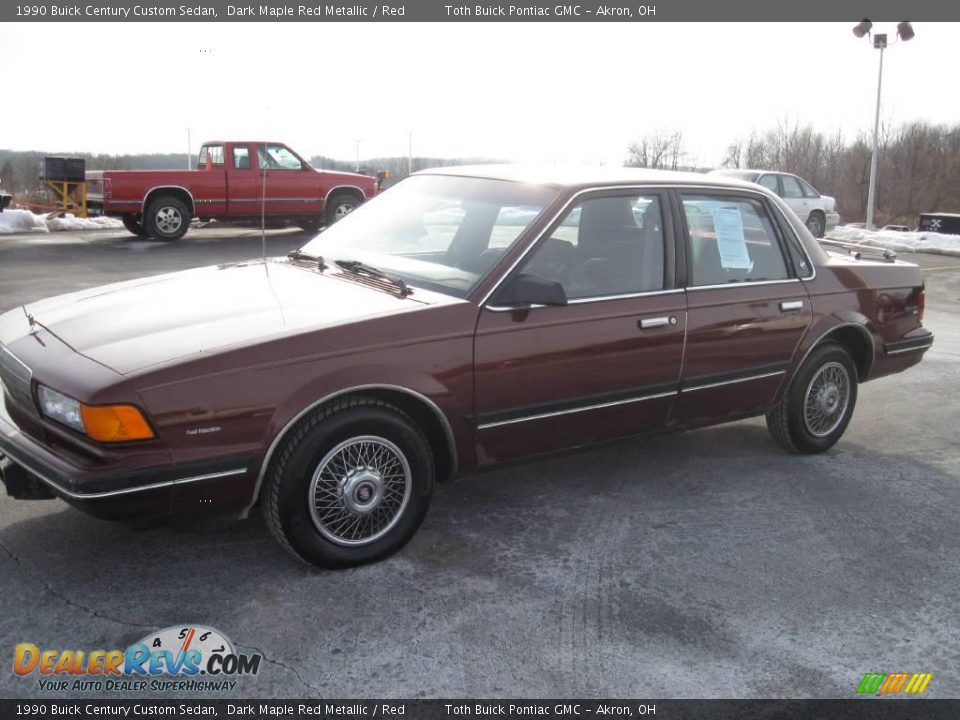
863,29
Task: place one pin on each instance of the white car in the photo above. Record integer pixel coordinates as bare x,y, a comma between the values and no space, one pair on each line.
818,211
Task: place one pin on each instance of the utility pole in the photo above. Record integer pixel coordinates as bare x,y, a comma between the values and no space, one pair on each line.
189,152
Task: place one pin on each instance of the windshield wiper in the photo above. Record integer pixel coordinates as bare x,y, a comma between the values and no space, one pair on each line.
360,268
300,255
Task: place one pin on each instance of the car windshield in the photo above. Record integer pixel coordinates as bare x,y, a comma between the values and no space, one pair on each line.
437,232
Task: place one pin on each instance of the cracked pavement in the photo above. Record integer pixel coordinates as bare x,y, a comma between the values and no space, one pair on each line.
704,564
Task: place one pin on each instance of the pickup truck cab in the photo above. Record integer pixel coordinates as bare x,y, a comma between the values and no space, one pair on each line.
234,180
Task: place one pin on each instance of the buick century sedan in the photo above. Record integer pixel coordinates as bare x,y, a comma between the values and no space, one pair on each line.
462,319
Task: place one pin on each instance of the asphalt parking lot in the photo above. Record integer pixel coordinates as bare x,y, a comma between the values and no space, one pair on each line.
704,564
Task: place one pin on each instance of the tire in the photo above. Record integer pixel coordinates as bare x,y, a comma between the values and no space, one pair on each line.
827,378
817,224
167,218
133,225
312,225
339,205
319,460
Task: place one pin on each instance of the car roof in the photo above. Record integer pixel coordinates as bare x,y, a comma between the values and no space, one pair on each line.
575,176
724,171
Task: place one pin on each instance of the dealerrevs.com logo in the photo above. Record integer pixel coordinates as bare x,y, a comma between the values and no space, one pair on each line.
191,657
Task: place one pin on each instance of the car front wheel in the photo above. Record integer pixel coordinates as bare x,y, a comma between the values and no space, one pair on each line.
816,224
817,406
351,485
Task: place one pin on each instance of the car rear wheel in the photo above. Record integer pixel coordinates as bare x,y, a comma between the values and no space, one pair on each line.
817,406
816,224
133,224
339,206
351,485
167,218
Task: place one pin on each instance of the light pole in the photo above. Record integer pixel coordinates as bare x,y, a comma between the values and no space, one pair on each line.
904,32
357,141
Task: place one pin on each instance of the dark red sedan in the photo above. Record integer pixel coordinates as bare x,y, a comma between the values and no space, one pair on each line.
464,318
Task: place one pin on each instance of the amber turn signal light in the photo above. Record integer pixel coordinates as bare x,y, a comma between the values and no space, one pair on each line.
115,423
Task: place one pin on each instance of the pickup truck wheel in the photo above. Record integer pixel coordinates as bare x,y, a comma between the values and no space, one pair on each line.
817,406
816,224
133,224
351,485
167,218
339,206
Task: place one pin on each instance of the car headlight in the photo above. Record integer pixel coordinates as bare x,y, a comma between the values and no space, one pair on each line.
104,423
61,408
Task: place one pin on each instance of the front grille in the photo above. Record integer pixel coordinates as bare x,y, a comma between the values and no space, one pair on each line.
16,380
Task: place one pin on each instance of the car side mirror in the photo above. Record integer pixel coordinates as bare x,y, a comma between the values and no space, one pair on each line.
525,290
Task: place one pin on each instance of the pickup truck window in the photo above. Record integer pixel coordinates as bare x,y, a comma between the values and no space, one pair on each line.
731,241
241,157
215,154
278,157
436,232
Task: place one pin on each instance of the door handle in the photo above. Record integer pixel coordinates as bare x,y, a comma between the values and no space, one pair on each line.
786,306
647,323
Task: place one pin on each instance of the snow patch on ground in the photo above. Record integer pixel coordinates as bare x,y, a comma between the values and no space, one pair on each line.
24,221
925,242
21,221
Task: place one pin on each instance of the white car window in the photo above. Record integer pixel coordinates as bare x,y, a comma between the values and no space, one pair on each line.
791,187
808,190
770,182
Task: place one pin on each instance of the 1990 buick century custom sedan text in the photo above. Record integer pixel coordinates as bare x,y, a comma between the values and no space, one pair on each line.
461,319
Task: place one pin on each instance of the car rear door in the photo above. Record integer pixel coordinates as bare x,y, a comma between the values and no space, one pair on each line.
605,365
747,309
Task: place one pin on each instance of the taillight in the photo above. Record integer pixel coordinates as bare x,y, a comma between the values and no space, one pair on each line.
921,302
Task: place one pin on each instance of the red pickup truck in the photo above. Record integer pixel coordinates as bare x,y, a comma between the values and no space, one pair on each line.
233,181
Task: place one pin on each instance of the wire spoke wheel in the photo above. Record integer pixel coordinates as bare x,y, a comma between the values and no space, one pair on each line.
826,399
360,490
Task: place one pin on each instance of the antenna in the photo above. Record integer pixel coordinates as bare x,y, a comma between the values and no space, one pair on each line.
263,208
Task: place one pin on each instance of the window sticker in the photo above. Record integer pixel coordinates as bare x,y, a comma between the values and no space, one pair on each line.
731,242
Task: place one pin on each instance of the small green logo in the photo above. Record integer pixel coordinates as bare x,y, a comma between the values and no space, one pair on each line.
893,683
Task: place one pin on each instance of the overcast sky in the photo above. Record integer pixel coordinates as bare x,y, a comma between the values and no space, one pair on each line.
521,91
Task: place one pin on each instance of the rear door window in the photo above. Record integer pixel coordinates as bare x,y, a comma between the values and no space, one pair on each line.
731,240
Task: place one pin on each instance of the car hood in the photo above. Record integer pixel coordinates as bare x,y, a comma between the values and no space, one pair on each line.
132,325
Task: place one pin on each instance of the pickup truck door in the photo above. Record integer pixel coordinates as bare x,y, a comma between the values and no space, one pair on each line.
605,365
243,182
292,186
746,308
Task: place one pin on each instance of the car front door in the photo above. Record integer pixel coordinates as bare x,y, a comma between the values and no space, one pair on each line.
794,197
747,308
604,365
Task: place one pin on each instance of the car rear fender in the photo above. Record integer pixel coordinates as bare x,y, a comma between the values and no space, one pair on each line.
849,329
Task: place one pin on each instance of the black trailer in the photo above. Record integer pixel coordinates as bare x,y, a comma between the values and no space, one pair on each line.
946,223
